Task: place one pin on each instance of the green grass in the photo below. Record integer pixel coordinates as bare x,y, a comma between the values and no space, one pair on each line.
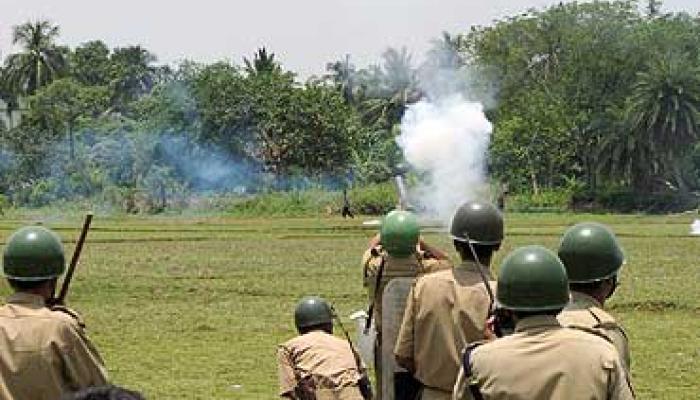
188,307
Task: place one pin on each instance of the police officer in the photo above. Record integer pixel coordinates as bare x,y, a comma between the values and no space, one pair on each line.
44,351
593,258
447,310
402,250
542,359
316,364
399,252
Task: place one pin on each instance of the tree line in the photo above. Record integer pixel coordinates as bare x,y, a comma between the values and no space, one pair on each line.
598,100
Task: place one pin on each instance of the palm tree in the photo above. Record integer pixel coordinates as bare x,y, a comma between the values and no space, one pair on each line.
132,74
262,63
654,8
344,76
626,158
7,97
664,110
40,61
445,52
397,86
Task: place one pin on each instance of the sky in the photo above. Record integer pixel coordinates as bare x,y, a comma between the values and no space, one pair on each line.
303,34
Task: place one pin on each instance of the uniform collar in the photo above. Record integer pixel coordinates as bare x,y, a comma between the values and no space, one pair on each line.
584,299
537,321
316,333
471,266
26,298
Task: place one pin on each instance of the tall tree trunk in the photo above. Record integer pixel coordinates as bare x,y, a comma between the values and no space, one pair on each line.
37,80
535,186
71,141
8,113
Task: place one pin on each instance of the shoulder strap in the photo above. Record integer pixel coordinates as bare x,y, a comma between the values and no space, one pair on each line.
606,322
593,331
375,298
72,313
466,365
305,388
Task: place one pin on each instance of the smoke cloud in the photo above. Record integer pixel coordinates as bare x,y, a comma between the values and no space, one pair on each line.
445,138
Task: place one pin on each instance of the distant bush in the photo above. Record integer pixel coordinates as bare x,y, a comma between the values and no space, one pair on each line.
615,199
292,203
374,199
544,201
371,199
606,199
4,204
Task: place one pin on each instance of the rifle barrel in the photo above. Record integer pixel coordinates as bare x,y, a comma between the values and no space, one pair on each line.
74,260
481,268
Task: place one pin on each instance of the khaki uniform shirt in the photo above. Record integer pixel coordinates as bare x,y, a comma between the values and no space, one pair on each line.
326,359
586,312
418,264
446,310
544,361
44,353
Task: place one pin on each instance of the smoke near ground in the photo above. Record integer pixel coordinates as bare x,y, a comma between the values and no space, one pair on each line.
446,140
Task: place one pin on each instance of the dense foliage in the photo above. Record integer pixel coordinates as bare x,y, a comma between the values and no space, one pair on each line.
596,97
597,102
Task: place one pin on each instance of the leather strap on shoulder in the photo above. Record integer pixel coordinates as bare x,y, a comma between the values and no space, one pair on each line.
594,331
74,314
466,365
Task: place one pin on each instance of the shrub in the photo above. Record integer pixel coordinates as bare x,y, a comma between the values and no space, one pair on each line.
625,200
373,199
544,201
4,204
291,203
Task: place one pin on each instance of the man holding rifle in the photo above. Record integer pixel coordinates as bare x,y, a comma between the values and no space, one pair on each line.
44,351
398,251
447,310
317,365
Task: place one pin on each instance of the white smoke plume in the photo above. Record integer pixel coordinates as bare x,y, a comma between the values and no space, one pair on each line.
446,141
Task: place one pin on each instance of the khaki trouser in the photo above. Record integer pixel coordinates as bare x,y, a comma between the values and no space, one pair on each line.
435,394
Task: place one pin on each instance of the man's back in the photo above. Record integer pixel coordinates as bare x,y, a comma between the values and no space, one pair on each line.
543,360
323,357
43,353
446,310
585,312
395,267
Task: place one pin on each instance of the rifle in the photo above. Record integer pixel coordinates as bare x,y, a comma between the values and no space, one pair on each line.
500,326
74,261
375,298
364,383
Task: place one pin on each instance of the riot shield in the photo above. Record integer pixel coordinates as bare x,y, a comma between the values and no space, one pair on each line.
365,340
393,305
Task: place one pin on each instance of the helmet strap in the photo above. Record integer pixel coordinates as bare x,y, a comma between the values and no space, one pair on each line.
504,322
614,283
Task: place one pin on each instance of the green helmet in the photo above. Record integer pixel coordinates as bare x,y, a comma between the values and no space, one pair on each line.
312,311
400,233
478,222
590,252
33,253
532,278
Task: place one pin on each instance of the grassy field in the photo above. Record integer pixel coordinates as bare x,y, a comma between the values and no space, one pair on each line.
192,307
